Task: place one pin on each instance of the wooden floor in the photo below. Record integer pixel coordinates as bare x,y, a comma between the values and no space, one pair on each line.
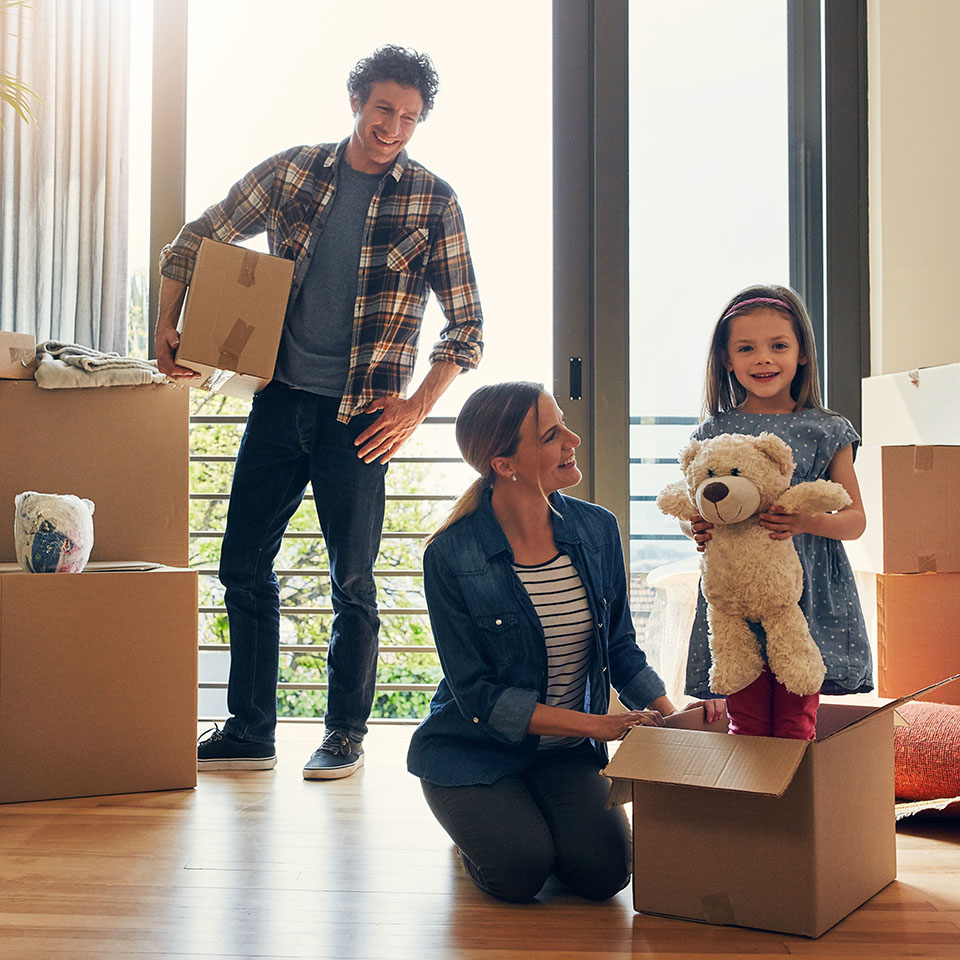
266,865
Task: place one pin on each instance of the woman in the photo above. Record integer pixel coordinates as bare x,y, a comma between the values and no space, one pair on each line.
528,602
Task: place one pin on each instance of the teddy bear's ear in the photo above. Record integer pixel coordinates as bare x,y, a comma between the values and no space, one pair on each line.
688,453
777,450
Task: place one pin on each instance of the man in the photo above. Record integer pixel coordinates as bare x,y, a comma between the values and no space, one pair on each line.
371,232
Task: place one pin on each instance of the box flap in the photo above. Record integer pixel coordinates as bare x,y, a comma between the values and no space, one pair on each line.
890,705
764,765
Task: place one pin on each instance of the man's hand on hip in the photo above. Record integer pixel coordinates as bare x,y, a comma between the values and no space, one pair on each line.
395,425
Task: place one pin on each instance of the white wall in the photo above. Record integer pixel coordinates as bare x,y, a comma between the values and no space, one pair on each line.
914,144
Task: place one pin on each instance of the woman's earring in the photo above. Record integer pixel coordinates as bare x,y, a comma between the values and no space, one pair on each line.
513,477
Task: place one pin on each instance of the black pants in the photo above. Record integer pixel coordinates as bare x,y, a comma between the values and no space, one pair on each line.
549,820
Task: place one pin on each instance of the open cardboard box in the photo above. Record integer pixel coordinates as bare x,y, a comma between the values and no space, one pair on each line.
786,835
233,317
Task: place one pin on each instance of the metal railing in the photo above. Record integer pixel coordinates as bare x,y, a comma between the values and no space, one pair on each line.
390,608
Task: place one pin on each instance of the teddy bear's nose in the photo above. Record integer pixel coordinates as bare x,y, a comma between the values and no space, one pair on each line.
715,492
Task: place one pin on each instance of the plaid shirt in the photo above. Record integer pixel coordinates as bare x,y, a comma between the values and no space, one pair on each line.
413,242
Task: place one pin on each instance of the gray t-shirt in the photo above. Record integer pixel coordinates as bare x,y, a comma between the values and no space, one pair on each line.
314,349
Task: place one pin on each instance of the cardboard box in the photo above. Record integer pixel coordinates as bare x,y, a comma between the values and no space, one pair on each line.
785,835
911,497
18,356
233,317
913,407
98,682
125,448
918,640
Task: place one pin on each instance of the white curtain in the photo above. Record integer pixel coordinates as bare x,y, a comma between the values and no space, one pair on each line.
63,178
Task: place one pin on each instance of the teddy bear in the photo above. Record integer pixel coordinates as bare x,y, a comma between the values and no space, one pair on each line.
745,575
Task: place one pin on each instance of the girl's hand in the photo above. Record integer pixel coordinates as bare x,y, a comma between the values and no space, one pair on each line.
700,529
713,709
615,726
783,525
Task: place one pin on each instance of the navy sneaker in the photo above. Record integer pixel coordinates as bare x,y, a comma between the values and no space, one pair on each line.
338,756
220,751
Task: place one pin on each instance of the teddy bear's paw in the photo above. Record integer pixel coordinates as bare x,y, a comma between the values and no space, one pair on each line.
729,676
800,670
674,501
815,496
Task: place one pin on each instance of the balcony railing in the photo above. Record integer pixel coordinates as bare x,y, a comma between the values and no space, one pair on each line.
420,487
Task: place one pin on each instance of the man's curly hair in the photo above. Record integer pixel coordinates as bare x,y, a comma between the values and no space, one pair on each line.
406,67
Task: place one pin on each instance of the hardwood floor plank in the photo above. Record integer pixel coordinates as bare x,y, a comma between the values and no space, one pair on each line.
269,866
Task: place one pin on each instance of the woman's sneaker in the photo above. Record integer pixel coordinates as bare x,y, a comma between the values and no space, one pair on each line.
217,750
338,756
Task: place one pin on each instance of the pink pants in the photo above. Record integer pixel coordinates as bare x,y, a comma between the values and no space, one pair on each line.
766,708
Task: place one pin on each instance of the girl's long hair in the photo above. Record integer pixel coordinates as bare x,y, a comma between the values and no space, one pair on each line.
489,426
722,390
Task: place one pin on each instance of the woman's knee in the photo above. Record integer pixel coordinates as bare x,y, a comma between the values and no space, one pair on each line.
599,864
517,875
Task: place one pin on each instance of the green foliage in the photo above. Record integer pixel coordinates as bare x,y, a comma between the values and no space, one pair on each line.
303,586
14,91
138,331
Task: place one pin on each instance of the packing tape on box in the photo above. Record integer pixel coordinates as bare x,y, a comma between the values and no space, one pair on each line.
248,269
923,458
718,909
24,357
927,564
215,380
232,347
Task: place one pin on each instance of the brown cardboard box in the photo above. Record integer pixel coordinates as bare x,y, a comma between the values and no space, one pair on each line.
785,835
124,448
911,496
98,682
916,406
233,316
918,639
18,356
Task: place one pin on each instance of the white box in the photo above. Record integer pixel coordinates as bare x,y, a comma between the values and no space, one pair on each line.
914,407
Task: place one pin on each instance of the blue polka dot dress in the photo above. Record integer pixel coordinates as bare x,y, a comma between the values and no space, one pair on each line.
830,601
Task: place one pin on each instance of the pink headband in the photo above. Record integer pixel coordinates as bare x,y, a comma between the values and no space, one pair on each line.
747,303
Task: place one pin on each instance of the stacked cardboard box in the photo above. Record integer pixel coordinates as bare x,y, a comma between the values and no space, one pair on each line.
98,682
124,448
18,356
910,479
98,670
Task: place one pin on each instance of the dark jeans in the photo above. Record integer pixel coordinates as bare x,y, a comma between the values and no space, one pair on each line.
552,819
293,437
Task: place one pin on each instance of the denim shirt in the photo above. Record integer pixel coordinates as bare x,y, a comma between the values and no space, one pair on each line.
492,648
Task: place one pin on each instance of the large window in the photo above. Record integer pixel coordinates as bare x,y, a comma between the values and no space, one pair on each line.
255,90
709,215
706,115
489,135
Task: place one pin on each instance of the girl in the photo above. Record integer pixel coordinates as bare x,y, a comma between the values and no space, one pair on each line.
762,376
528,603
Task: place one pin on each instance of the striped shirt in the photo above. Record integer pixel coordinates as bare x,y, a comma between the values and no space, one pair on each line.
414,241
559,597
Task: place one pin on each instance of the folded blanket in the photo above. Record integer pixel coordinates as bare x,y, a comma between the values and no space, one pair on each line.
61,365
